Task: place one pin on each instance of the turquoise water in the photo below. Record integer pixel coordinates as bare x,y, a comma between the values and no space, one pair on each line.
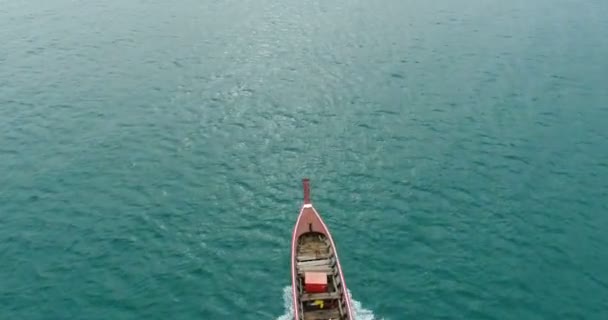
151,154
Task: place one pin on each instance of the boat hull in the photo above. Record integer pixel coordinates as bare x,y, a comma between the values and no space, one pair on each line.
310,222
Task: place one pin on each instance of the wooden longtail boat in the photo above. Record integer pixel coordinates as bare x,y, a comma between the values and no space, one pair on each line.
318,286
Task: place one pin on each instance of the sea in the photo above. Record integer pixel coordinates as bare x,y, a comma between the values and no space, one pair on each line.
151,156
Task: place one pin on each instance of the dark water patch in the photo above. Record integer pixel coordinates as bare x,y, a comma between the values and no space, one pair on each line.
397,76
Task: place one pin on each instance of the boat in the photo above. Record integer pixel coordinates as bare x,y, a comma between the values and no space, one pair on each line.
318,286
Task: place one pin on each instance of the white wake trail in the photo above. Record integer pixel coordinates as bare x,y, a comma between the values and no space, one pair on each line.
360,313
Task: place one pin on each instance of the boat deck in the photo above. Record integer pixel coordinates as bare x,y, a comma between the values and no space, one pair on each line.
315,254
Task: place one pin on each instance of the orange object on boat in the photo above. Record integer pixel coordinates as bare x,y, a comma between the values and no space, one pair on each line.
315,282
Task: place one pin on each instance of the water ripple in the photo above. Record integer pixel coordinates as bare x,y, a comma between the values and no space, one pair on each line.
151,156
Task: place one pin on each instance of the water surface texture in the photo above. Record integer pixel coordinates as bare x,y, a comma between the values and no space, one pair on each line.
151,154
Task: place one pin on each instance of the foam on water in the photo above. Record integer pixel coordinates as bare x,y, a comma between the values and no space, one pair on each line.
360,313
